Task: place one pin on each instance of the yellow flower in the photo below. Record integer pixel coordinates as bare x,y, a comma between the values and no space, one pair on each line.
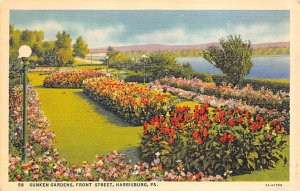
274,133
267,127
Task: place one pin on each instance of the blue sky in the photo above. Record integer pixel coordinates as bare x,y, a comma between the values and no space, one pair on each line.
116,28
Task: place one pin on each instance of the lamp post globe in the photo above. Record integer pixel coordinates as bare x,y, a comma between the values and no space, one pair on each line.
24,53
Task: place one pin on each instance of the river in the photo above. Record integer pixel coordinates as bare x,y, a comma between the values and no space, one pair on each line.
263,66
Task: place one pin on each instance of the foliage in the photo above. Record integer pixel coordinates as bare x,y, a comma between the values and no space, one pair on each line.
70,78
51,58
111,52
139,78
232,58
133,102
271,51
63,49
219,79
80,48
204,76
120,61
213,140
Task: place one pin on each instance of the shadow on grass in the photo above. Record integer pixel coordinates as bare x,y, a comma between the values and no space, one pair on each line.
111,117
132,154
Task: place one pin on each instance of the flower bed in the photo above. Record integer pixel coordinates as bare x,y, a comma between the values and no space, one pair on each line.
282,117
70,78
263,98
214,141
133,102
44,163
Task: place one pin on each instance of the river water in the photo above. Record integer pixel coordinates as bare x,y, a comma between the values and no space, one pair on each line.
263,66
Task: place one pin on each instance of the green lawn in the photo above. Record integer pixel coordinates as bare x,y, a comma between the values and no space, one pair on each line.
82,127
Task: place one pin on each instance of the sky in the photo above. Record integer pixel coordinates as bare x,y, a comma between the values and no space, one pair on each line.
105,28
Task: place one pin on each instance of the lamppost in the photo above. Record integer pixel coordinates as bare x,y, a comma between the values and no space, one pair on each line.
24,53
106,60
143,60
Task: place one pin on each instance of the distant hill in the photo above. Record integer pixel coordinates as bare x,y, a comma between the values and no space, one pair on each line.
157,47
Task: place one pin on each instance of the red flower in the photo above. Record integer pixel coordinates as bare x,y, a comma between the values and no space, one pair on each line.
182,126
223,138
277,128
196,116
152,122
206,105
162,118
246,115
199,175
258,117
19,177
274,122
231,137
229,112
145,125
223,122
26,166
253,127
231,122
167,130
173,131
196,107
205,132
186,118
199,141
156,119
155,138
171,140
237,109
240,120
195,135
179,117
162,129
202,110
222,114
207,125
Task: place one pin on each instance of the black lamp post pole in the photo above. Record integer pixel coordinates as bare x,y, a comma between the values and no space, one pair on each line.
24,110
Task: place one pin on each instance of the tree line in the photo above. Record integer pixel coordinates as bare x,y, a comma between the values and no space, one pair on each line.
59,52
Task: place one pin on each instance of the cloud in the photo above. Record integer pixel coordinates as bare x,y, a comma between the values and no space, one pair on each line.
259,32
116,34
102,37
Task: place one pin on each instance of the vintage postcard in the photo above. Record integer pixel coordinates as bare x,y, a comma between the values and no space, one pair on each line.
141,95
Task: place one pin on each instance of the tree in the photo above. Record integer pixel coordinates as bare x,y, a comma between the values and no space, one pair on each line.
63,47
161,64
232,57
51,57
63,40
80,48
111,52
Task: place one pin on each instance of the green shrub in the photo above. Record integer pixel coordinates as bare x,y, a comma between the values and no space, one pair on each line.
139,78
219,79
204,76
274,84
